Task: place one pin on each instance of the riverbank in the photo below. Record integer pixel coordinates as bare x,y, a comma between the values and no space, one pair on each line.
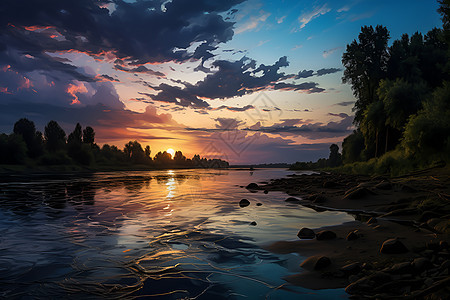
398,245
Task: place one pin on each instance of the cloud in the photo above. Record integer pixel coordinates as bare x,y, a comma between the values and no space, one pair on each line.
308,87
236,109
231,79
344,8
281,19
327,53
305,18
304,74
311,131
253,23
322,72
345,103
140,69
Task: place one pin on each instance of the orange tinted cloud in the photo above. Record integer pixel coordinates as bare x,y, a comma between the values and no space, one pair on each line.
74,89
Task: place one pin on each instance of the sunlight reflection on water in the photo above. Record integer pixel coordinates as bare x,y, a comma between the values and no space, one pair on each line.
172,234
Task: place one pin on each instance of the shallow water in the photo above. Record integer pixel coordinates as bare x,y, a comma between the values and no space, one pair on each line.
156,235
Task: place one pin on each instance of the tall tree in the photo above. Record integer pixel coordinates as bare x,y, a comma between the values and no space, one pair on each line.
76,136
89,135
55,137
27,130
365,63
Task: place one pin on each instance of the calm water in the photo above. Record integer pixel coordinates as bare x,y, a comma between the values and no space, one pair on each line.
156,235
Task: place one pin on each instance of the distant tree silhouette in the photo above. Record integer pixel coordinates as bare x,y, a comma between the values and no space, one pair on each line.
55,137
352,147
147,151
335,158
76,136
179,158
32,139
89,135
135,153
163,159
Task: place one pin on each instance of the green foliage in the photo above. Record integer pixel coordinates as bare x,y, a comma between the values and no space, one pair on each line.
352,147
427,134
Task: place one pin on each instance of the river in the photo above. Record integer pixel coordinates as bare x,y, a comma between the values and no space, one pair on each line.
150,235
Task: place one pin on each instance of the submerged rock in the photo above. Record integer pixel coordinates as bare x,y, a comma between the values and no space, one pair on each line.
252,186
253,223
244,203
306,233
292,199
325,235
393,246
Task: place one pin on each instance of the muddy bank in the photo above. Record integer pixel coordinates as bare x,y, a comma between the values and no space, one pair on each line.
397,247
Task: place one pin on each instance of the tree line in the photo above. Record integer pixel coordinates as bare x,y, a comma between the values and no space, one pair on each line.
27,146
402,94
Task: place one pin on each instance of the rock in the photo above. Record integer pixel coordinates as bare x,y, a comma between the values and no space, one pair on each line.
443,245
244,203
428,282
353,278
266,192
372,220
316,263
433,246
352,268
427,215
356,193
384,185
306,233
252,186
258,204
393,246
325,235
422,263
401,268
320,199
292,199
330,184
253,223
445,265
353,235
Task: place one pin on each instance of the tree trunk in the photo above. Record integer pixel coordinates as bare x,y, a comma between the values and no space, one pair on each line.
376,144
387,140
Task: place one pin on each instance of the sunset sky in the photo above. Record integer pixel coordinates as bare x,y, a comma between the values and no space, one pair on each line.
246,81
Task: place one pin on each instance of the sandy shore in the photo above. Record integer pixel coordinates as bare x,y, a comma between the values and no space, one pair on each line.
412,212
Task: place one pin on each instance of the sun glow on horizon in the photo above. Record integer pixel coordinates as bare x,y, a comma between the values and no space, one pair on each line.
171,152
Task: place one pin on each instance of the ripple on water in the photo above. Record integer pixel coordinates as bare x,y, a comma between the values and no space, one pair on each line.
171,234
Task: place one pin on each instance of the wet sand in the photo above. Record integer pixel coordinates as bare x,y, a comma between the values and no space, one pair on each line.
413,211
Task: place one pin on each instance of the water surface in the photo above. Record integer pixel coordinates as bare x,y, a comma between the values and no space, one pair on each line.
150,235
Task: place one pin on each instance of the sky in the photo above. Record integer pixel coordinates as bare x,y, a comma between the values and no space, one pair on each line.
250,82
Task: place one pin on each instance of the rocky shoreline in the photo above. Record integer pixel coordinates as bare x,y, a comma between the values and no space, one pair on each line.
398,245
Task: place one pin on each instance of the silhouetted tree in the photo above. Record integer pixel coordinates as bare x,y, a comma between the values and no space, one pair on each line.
352,147
365,63
147,151
163,159
32,139
89,135
134,152
55,137
76,136
334,159
179,158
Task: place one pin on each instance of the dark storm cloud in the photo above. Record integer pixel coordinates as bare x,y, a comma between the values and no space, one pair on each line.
140,69
308,87
327,71
304,74
142,31
231,79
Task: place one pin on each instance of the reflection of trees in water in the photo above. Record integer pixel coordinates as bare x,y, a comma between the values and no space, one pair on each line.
28,198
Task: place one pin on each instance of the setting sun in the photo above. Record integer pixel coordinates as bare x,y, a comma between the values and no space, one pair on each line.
171,152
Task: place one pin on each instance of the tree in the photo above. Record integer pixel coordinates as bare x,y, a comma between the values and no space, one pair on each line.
365,63
76,136
335,158
88,135
135,153
55,137
179,158
163,159
352,147
147,151
27,130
